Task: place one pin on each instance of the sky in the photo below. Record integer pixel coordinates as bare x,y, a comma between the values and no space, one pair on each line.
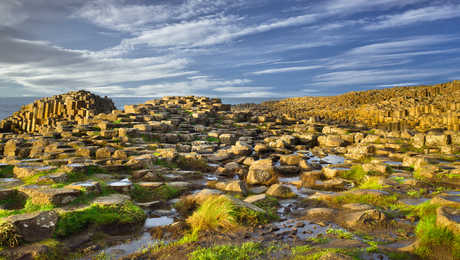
225,48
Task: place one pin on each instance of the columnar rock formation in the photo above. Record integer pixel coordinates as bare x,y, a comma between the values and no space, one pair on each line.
421,107
76,106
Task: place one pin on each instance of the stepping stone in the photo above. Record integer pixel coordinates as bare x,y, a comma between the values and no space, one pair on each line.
449,218
87,186
122,186
58,177
35,226
24,171
113,199
9,182
449,200
255,198
42,195
150,185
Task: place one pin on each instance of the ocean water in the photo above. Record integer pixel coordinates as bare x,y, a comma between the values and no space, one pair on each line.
11,105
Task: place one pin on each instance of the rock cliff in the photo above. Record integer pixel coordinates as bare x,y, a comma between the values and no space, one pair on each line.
76,106
419,107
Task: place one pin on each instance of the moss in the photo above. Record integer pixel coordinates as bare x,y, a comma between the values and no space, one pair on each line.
356,174
376,200
340,233
28,208
166,192
140,193
372,183
6,171
17,200
76,221
86,198
192,164
431,236
85,174
212,139
150,139
249,250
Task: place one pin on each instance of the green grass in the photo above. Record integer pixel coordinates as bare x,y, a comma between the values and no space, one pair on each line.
380,201
212,139
192,164
28,208
164,192
76,221
6,171
215,214
431,236
340,233
373,183
218,213
150,139
248,250
356,174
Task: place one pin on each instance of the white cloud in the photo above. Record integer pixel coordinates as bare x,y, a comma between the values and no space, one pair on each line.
206,31
11,13
427,14
241,89
288,69
380,76
356,6
124,15
43,67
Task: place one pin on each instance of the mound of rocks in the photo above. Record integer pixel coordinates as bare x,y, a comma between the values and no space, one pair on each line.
76,106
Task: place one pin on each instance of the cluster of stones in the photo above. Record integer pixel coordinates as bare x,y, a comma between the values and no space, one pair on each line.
421,107
247,150
46,113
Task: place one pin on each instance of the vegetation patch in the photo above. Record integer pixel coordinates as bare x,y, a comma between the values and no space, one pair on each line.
192,164
430,236
249,250
380,201
28,208
76,221
356,174
215,214
164,192
372,182
6,171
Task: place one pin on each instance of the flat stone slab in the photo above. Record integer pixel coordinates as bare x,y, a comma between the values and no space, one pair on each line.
35,226
42,195
24,170
113,199
86,186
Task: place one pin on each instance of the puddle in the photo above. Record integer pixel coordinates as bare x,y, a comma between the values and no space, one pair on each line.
118,251
393,163
124,182
156,222
333,159
414,202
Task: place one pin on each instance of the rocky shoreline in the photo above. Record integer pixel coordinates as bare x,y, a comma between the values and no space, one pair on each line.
365,175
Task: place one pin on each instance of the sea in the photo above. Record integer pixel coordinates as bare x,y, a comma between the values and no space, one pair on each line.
12,104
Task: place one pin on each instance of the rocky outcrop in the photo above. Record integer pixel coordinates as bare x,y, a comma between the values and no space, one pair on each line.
77,106
420,107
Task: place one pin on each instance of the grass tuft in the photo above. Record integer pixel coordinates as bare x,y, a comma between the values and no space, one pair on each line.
76,221
249,250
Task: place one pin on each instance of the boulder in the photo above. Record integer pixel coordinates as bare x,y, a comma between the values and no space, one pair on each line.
262,172
35,226
280,191
449,218
365,217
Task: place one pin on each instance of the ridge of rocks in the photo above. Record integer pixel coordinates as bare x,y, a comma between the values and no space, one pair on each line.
78,106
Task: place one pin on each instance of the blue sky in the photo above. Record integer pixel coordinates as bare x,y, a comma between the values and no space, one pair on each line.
226,48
